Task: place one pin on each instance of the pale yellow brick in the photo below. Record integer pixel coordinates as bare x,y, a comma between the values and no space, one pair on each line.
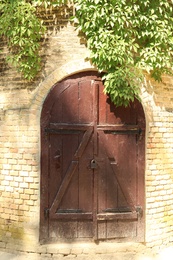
18,179
26,167
158,135
24,207
29,191
24,173
29,179
23,185
9,178
22,162
34,186
28,156
150,188
5,183
9,188
8,211
14,172
5,172
24,196
6,166
12,161
34,197
30,202
14,184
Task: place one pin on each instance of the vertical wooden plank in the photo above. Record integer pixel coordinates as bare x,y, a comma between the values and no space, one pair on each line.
102,187
102,230
70,109
55,166
85,102
57,107
63,230
121,229
102,105
112,188
120,115
141,185
44,191
85,229
95,114
86,179
95,151
95,202
126,167
86,184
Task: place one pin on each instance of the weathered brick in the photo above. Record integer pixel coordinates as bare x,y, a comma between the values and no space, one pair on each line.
23,185
22,102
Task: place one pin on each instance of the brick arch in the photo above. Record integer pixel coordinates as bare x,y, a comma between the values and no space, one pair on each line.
75,67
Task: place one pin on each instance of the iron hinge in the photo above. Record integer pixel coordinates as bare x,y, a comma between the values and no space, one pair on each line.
46,213
139,210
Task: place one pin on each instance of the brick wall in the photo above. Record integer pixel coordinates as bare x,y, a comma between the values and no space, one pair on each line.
63,53
159,157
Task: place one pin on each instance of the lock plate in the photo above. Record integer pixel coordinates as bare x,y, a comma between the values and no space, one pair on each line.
93,164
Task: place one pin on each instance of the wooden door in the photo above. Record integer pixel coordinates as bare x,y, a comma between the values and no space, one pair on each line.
92,164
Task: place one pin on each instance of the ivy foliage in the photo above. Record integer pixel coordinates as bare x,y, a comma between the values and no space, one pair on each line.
124,38
22,29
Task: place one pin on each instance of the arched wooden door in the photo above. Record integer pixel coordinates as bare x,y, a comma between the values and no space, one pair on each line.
92,164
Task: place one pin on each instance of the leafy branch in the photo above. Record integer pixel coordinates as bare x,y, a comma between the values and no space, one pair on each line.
23,30
124,37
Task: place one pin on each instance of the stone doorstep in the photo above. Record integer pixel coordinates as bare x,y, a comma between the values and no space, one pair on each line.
89,248
33,256
79,251
7,256
76,248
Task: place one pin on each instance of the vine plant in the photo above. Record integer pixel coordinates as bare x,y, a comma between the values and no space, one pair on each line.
124,37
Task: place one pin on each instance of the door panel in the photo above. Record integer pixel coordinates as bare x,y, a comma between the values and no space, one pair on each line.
92,182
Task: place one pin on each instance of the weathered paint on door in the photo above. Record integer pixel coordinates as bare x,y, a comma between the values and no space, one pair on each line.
92,164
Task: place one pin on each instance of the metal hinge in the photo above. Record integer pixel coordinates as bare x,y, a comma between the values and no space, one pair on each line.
139,210
46,213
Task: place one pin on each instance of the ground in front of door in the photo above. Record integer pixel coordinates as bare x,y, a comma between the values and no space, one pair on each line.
85,252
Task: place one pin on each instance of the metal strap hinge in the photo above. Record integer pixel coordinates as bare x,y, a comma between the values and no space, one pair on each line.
46,213
139,210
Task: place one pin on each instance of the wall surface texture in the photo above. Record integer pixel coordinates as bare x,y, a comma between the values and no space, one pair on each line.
63,53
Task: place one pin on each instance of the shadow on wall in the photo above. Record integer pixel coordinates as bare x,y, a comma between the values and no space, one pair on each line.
59,40
161,92
19,187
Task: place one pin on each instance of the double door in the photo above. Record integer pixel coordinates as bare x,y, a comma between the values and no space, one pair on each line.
92,184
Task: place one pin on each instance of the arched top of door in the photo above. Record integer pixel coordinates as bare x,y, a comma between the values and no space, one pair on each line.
123,115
